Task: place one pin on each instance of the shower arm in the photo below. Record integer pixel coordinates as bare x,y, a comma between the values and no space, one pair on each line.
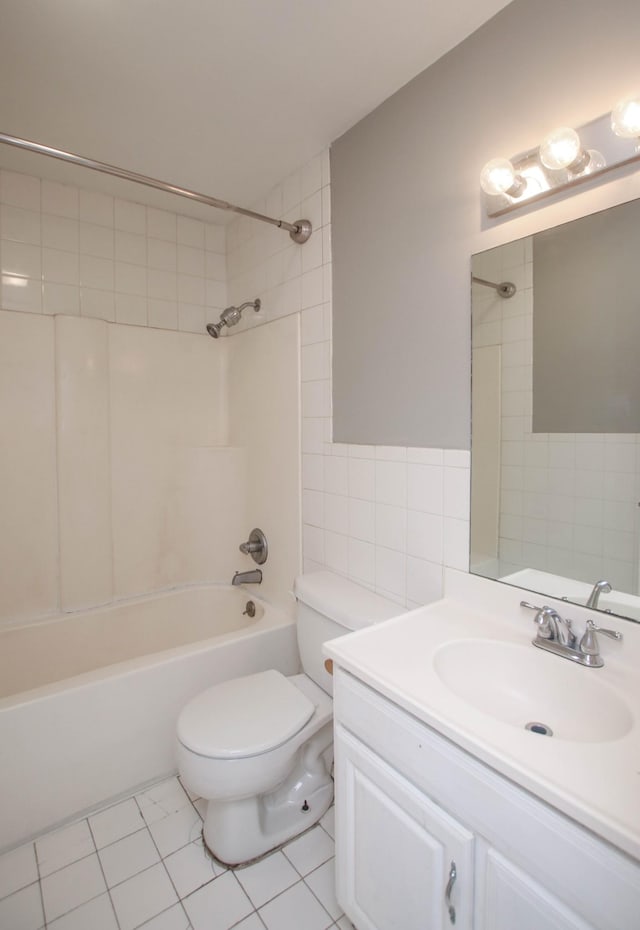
300,231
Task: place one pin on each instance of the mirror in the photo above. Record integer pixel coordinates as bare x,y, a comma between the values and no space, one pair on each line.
555,463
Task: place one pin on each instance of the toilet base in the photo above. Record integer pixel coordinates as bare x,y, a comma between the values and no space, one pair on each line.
236,832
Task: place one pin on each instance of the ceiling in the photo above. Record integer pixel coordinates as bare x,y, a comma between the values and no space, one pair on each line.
225,97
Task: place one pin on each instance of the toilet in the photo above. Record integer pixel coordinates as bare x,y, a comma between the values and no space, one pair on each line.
258,749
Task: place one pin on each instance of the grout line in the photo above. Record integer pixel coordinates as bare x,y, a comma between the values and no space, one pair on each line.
113,908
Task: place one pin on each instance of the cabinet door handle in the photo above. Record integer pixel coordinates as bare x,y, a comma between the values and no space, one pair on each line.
453,874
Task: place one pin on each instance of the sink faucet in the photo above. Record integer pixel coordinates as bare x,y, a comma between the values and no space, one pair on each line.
600,587
556,635
252,577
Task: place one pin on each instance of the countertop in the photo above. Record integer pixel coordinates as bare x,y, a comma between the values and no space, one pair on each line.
597,783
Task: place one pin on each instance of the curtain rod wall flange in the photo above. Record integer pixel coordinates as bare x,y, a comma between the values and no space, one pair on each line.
300,231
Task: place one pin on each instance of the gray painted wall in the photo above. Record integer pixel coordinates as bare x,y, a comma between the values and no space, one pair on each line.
586,325
406,210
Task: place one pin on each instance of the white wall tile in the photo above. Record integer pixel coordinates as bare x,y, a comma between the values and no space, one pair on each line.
20,225
19,258
60,298
19,190
60,199
97,208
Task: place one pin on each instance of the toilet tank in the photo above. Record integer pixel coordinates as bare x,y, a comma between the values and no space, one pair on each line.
329,606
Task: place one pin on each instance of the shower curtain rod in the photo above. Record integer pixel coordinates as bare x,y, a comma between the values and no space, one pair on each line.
299,231
505,289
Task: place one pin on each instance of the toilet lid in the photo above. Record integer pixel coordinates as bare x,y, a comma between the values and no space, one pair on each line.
244,717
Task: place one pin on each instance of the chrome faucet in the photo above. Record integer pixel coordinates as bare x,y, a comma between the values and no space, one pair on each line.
600,587
252,577
556,635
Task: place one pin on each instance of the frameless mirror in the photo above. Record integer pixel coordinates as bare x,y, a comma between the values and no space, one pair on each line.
555,466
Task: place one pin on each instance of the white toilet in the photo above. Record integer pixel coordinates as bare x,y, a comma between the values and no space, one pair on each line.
256,747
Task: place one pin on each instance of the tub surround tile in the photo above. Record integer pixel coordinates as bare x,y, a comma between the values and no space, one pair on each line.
82,396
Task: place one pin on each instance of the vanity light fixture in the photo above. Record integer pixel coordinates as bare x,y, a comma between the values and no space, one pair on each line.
564,158
625,118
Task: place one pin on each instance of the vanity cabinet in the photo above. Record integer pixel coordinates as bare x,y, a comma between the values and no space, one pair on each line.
430,838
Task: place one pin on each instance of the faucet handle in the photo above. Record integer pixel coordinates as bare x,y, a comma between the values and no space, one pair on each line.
589,643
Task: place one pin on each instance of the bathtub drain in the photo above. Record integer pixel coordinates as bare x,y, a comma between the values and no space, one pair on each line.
541,728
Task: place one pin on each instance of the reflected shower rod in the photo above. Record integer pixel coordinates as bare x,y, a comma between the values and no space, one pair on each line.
505,289
299,231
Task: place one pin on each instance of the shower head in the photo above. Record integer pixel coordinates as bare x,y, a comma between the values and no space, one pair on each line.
231,316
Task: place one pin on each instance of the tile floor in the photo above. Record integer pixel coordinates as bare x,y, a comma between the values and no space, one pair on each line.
141,863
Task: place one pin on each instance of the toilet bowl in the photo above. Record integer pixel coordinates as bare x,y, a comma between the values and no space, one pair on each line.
258,748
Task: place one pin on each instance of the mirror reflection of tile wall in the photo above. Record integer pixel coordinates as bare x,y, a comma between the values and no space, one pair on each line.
567,502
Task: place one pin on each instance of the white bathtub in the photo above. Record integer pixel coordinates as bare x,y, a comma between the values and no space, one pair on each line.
89,701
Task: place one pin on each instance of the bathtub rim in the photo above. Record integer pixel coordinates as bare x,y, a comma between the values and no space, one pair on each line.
273,618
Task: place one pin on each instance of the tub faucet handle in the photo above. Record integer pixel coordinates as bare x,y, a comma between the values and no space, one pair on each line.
256,546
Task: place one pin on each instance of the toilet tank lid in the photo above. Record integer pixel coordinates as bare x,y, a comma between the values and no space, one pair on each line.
343,601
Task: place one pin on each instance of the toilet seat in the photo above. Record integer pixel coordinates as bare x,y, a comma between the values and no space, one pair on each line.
244,717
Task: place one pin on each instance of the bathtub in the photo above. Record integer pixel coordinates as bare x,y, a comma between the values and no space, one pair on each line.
89,700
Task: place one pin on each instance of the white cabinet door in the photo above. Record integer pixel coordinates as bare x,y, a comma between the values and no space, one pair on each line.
507,898
402,863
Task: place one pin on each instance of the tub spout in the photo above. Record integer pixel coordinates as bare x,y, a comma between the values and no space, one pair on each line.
253,577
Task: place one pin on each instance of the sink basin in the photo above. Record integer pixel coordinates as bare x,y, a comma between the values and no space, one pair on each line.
520,685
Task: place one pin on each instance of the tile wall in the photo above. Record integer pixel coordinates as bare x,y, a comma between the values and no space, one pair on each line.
568,501
389,518
80,252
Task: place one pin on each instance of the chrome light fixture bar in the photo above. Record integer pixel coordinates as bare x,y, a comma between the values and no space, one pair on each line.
564,159
300,231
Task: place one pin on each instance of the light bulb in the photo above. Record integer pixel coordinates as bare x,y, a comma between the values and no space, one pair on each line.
596,162
625,118
499,177
562,149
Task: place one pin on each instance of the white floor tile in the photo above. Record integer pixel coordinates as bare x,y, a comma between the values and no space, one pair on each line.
310,850
17,869
328,822
97,915
163,799
252,922
294,908
128,856
72,886
173,919
56,850
116,822
22,910
218,905
191,867
267,878
323,884
142,897
176,830
345,924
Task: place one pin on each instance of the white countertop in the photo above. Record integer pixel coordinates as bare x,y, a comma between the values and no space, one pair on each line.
597,783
